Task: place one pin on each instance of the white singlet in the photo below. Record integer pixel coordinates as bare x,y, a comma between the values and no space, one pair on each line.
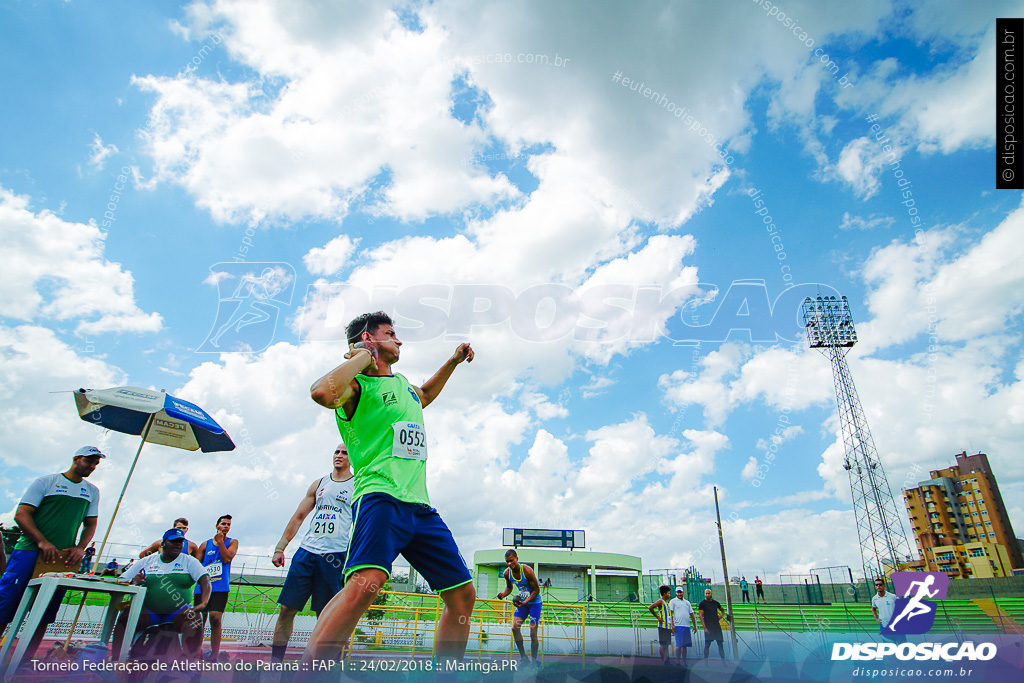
331,524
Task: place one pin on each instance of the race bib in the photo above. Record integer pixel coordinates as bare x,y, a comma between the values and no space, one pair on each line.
410,441
214,570
325,525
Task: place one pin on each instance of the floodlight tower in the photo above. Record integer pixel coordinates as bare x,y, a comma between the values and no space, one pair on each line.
829,326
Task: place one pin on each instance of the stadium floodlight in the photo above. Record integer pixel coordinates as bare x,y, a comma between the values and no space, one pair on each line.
883,543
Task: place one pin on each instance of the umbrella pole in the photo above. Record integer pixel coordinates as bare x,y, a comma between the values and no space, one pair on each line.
74,623
145,433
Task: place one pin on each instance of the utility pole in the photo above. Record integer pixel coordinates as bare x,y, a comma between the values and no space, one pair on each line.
725,571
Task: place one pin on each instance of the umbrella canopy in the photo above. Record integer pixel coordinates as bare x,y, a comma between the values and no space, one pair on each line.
175,422
155,415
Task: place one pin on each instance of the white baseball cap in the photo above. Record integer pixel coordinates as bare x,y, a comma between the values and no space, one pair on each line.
87,451
679,589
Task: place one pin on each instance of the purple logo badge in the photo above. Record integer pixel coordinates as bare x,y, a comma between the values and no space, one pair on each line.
915,612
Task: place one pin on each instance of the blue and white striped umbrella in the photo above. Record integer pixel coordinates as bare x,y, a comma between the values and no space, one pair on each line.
165,419
155,415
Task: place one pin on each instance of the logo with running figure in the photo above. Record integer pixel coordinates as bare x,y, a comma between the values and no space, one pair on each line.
250,297
915,612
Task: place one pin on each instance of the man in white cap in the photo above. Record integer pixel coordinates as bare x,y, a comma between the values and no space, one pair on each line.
50,515
683,618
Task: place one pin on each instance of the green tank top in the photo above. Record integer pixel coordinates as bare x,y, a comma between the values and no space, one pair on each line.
386,442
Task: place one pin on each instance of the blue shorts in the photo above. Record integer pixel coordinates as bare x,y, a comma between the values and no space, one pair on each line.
13,583
683,637
315,576
157,619
385,527
531,609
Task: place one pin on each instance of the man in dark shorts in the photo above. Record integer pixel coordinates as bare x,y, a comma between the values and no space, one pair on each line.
663,613
216,555
711,612
759,591
317,571
380,417
169,577
49,515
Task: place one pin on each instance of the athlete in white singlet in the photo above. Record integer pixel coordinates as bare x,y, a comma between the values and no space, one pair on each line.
317,569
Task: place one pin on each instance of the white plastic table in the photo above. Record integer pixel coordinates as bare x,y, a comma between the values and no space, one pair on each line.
37,597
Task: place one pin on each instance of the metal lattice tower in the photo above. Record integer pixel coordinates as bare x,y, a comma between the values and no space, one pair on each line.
883,543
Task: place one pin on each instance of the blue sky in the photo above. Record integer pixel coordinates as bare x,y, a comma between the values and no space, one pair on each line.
439,148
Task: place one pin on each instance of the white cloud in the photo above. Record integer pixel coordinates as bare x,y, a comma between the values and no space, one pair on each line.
750,469
859,165
315,146
786,434
541,406
100,152
596,386
56,270
873,221
41,429
332,257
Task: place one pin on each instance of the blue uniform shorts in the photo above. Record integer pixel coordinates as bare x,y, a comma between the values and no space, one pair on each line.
157,619
385,527
683,637
531,610
315,576
14,581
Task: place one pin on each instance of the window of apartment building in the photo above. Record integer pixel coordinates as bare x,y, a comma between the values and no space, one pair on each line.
992,535
977,552
977,490
986,524
984,512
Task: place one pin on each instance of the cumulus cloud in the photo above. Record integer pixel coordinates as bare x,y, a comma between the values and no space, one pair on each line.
332,257
56,270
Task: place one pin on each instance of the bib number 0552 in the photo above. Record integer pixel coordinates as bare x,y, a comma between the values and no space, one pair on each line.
410,441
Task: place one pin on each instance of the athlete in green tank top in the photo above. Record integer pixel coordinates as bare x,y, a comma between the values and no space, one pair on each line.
380,417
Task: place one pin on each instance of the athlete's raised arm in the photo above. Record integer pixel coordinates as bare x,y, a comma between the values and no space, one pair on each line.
433,386
338,386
